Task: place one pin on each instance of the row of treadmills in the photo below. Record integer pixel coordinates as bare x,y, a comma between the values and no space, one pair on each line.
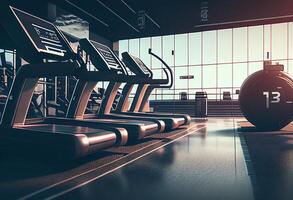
49,54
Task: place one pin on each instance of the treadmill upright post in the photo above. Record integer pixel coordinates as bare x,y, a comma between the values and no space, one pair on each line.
78,103
122,103
138,98
109,98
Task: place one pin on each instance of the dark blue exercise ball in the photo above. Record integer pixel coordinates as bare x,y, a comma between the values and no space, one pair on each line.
265,99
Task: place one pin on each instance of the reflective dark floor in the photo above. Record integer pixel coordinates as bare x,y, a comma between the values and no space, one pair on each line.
221,158
208,164
271,155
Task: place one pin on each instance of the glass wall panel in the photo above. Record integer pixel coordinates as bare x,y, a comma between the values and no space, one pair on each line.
134,47
279,41
240,44
225,75
157,49
290,67
194,45
123,46
168,47
255,43
212,93
157,73
9,57
181,48
145,44
225,46
196,81
254,66
181,83
290,39
159,94
152,97
239,74
168,94
191,93
267,42
210,76
209,47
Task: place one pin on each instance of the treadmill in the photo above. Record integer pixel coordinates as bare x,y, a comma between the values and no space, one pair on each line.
37,41
104,59
143,91
137,128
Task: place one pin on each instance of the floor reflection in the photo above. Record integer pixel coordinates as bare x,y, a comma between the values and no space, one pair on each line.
208,164
272,158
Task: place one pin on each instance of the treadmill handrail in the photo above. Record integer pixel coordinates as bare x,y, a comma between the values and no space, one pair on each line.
166,69
158,81
100,76
17,103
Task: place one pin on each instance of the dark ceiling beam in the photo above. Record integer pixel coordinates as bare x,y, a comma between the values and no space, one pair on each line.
239,22
117,15
152,20
87,13
128,6
146,14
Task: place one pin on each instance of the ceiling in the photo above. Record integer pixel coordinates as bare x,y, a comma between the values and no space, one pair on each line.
118,19
173,16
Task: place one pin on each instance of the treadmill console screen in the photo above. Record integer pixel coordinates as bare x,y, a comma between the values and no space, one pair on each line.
136,65
108,56
44,35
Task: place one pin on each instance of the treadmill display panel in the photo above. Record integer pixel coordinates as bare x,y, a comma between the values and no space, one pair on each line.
44,35
136,65
108,56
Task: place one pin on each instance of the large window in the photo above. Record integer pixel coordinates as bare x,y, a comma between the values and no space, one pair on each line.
134,47
181,50
123,46
219,60
255,43
209,47
145,44
194,51
225,46
279,41
168,44
240,44
156,43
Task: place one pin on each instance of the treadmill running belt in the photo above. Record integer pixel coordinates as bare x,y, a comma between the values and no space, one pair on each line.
56,128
